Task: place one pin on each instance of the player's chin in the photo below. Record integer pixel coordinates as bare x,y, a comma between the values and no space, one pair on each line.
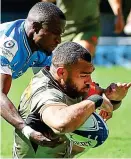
49,51
82,93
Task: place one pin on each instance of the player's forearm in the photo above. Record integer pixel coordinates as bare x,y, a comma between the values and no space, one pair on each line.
116,6
9,112
70,118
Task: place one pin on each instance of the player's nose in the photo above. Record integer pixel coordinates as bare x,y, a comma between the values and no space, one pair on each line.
88,80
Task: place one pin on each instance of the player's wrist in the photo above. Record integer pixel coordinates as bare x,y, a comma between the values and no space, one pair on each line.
98,100
27,130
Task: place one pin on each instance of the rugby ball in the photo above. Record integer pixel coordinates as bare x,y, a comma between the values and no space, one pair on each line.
92,133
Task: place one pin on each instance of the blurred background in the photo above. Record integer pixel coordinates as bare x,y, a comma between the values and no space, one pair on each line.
113,64
112,48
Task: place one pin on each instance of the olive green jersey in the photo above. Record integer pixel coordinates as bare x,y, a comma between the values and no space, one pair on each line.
42,90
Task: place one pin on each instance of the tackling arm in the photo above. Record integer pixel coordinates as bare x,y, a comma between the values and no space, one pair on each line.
7,109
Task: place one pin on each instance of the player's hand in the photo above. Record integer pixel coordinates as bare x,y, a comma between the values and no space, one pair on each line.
117,91
106,109
41,140
119,24
105,115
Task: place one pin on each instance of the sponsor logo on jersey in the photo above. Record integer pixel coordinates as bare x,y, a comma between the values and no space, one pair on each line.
82,144
8,48
9,44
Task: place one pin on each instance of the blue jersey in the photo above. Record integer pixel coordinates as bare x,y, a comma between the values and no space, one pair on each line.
15,51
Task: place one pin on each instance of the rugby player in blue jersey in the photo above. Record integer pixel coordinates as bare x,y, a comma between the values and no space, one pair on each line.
23,44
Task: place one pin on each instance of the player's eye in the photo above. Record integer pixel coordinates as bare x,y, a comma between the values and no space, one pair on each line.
83,76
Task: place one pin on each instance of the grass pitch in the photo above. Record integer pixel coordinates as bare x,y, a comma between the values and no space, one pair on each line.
118,144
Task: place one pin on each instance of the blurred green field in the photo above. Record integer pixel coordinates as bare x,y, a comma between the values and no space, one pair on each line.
118,145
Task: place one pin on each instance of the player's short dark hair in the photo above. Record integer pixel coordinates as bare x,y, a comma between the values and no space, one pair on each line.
45,12
69,53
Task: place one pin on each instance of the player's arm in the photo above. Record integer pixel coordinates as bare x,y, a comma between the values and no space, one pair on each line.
10,114
8,49
7,109
63,119
96,89
115,93
116,6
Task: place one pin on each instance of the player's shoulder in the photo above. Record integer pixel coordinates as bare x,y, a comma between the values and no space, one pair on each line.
9,26
9,39
46,84
5,25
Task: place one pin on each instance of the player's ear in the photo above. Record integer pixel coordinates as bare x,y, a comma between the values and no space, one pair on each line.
60,72
36,26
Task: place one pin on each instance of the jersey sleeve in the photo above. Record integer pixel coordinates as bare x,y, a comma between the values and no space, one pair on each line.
42,99
51,98
8,49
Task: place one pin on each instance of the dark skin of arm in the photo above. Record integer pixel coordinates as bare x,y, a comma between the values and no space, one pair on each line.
8,110
10,114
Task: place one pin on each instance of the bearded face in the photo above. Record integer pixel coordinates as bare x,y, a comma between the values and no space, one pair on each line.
76,79
72,90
